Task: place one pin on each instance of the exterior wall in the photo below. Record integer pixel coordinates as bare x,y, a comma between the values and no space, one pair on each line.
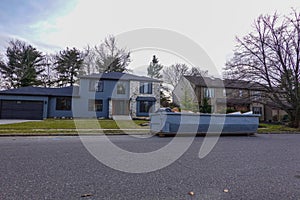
135,93
273,114
29,98
217,102
156,93
278,114
80,105
52,112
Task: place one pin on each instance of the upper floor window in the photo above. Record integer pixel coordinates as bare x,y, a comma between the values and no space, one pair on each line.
96,85
240,93
256,95
224,92
63,103
145,88
209,92
121,87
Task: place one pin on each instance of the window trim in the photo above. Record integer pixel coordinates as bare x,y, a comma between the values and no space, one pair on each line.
257,110
209,92
149,109
96,85
121,83
92,105
67,105
148,85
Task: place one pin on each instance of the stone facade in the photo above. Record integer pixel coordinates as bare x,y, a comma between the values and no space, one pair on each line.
134,92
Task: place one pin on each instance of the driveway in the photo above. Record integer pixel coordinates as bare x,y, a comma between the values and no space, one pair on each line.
14,121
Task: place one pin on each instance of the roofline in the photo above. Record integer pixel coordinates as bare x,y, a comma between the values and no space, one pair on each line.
223,80
121,79
41,95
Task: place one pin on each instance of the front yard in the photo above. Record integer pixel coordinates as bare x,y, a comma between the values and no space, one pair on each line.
276,128
66,126
89,126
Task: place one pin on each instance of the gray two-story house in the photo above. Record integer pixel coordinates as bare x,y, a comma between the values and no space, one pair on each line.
114,94
102,95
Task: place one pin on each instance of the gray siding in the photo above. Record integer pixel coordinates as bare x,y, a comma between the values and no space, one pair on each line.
52,112
80,105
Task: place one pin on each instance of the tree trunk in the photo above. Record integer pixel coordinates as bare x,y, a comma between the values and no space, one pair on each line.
297,118
294,118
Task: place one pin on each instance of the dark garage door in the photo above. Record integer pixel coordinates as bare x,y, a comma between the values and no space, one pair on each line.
21,109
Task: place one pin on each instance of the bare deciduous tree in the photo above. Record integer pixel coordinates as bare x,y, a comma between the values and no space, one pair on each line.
89,63
111,58
270,55
173,73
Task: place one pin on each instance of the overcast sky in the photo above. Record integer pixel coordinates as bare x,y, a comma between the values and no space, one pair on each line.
52,25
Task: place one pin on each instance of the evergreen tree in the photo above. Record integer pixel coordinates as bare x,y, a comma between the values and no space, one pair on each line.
68,65
154,68
24,65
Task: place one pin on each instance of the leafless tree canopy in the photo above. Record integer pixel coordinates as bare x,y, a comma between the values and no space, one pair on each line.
270,55
173,73
111,58
89,62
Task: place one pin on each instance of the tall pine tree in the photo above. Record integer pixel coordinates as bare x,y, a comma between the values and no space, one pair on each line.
68,65
24,65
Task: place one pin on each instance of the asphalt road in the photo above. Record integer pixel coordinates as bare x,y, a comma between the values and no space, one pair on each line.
262,167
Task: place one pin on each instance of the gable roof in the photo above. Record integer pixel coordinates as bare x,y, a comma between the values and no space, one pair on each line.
119,76
42,91
227,83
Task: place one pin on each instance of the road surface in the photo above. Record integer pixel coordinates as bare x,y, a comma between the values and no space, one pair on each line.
261,167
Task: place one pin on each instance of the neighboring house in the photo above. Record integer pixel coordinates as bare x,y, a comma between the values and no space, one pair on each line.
36,102
225,95
98,95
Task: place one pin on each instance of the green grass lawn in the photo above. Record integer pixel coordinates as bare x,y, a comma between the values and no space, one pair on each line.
69,126
276,128
66,126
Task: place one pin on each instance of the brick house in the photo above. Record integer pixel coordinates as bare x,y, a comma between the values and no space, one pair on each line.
226,95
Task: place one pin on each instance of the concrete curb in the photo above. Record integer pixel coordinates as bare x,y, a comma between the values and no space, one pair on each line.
74,132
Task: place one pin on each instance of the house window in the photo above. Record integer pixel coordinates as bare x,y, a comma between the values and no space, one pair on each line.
146,106
224,92
256,95
145,88
240,93
95,105
63,103
209,92
121,88
96,85
257,110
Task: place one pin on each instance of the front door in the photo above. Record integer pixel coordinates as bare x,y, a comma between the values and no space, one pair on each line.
120,107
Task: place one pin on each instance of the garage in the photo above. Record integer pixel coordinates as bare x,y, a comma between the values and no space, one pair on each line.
21,109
